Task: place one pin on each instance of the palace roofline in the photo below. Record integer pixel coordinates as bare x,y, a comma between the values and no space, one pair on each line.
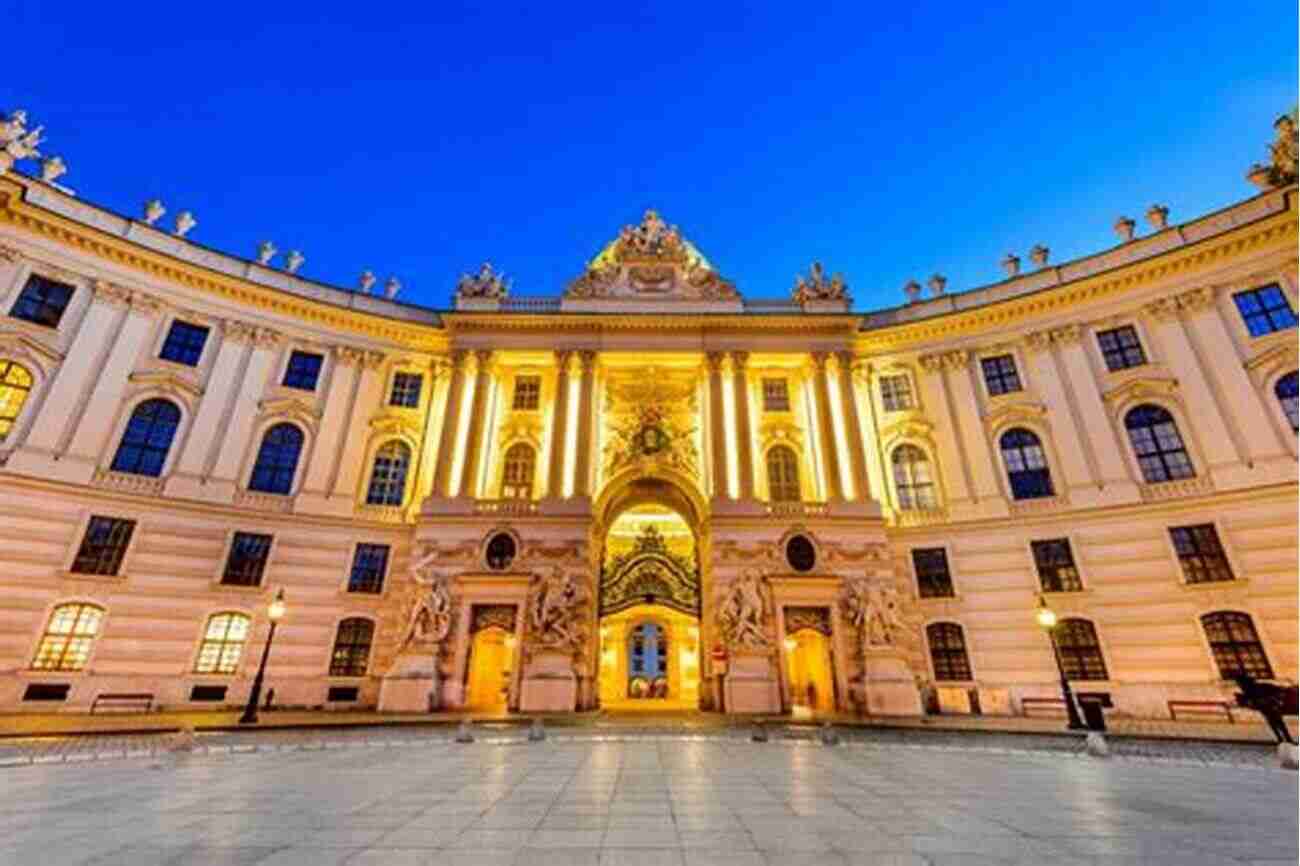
53,199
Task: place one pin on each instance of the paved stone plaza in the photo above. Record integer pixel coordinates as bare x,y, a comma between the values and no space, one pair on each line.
653,800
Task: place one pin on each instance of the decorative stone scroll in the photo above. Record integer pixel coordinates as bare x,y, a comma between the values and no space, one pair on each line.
485,616
817,619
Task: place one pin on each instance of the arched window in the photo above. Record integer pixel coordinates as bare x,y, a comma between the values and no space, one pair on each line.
68,636
1236,645
948,651
352,647
15,386
1287,389
913,480
1027,470
1157,444
277,460
388,478
147,438
783,474
517,474
1080,650
222,644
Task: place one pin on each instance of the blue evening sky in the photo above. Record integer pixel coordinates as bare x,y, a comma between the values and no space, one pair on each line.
888,142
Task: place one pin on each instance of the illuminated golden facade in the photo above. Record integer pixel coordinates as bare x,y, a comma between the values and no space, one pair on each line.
649,491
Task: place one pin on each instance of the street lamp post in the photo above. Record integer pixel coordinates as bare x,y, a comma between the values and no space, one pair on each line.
274,611
1047,621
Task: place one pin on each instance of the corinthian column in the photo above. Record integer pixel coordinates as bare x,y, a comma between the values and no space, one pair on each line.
559,426
745,451
586,391
450,426
826,426
474,447
717,425
853,428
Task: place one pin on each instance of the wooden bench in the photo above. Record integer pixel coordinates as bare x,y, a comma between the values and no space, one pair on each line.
1219,708
1056,705
122,700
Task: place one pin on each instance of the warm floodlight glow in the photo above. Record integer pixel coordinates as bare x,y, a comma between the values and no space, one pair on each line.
790,644
275,610
1046,616
461,440
840,434
571,436
731,442
814,437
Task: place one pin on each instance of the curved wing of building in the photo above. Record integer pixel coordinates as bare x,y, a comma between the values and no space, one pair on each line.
646,490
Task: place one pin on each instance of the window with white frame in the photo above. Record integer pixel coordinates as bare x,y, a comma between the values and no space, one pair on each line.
896,393
222,644
69,635
776,395
913,479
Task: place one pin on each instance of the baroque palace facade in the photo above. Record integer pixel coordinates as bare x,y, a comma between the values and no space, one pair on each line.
649,491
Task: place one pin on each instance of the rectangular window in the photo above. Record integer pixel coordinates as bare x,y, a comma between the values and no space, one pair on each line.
1265,310
528,393
42,301
184,343
406,390
247,559
933,580
1000,375
1055,563
47,691
369,564
776,395
1200,553
103,546
896,393
342,694
303,371
208,693
1121,348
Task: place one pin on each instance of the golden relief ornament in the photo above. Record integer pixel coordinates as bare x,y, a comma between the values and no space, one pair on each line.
650,573
652,422
651,259
557,610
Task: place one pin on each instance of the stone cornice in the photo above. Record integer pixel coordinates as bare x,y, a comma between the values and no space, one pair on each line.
1276,230
703,324
16,212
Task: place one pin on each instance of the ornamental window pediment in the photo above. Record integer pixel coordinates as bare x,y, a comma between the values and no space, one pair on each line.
1274,354
780,429
305,411
395,422
33,346
1141,385
180,383
1014,408
909,424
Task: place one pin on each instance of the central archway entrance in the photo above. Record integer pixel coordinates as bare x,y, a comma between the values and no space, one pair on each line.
649,610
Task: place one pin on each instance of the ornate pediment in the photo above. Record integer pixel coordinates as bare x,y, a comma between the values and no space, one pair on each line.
14,341
291,407
1006,412
396,421
1273,356
1140,386
910,424
168,380
651,261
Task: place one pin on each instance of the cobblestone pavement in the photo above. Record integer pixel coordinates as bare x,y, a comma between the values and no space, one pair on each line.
667,800
40,750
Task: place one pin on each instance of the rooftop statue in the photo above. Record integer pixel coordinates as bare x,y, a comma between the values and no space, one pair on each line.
17,141
487,283
817,287
1284,153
